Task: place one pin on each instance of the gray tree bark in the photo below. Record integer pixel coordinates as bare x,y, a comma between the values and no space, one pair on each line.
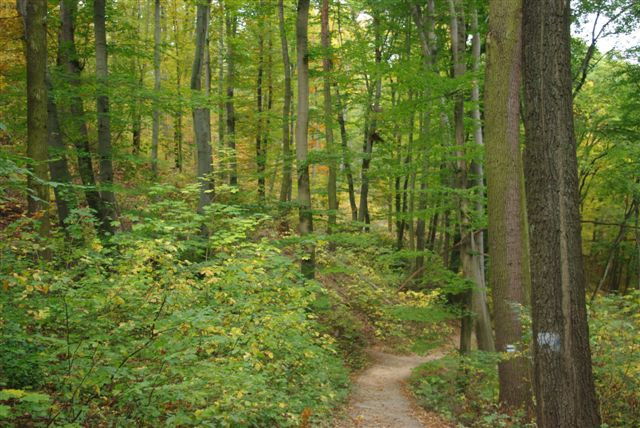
231,26
68,57
328,117
200,110
155,127
105,152
305,226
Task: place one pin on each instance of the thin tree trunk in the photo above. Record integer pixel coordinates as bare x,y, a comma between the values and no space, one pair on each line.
231,25
105,152
177,118
371,131
328,117
58,166
563,381
508,241
68,57
155,127
346,155
260,166
302,126
34,13
285,188
222,163
201,112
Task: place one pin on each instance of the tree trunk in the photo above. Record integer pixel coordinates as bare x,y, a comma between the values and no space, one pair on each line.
177,116
58,166
105,154
508,241
371,131
155,127
328,117
260,165
222,164
285,188
201,112
231,26
302,126
35,18
346,155
563,381
68,57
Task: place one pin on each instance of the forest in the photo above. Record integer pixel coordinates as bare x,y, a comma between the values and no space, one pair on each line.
320,213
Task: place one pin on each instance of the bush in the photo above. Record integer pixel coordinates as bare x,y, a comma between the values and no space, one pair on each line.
161,326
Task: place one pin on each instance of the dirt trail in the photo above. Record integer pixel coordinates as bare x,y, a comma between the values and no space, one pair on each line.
380,398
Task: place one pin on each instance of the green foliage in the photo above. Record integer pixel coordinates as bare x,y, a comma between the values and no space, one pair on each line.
160,326
614,329
464,389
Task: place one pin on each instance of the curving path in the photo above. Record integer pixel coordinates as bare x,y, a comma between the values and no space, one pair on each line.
380,398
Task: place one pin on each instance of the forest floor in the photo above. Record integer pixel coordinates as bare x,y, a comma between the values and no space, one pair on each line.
380,396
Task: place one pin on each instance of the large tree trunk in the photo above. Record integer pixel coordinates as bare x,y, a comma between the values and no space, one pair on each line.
508,241
155,127
285,188
36,56
105,152
68,57
328,117
302,126
201,112
231,26
563,380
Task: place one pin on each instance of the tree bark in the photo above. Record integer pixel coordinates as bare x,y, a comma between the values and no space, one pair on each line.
58,165
105,153
508,241
260,155
285,188
328,117
371,131
36,56
68,57
155,127
563,381
302,126
200,110
231,26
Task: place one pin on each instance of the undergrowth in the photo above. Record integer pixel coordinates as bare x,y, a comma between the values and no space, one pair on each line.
465,388
160,326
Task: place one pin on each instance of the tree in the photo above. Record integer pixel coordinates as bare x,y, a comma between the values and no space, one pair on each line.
155,127
285,188
508,241
305,226
562,378
328,115
200,109
231,25
69,60
35,18
105,152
